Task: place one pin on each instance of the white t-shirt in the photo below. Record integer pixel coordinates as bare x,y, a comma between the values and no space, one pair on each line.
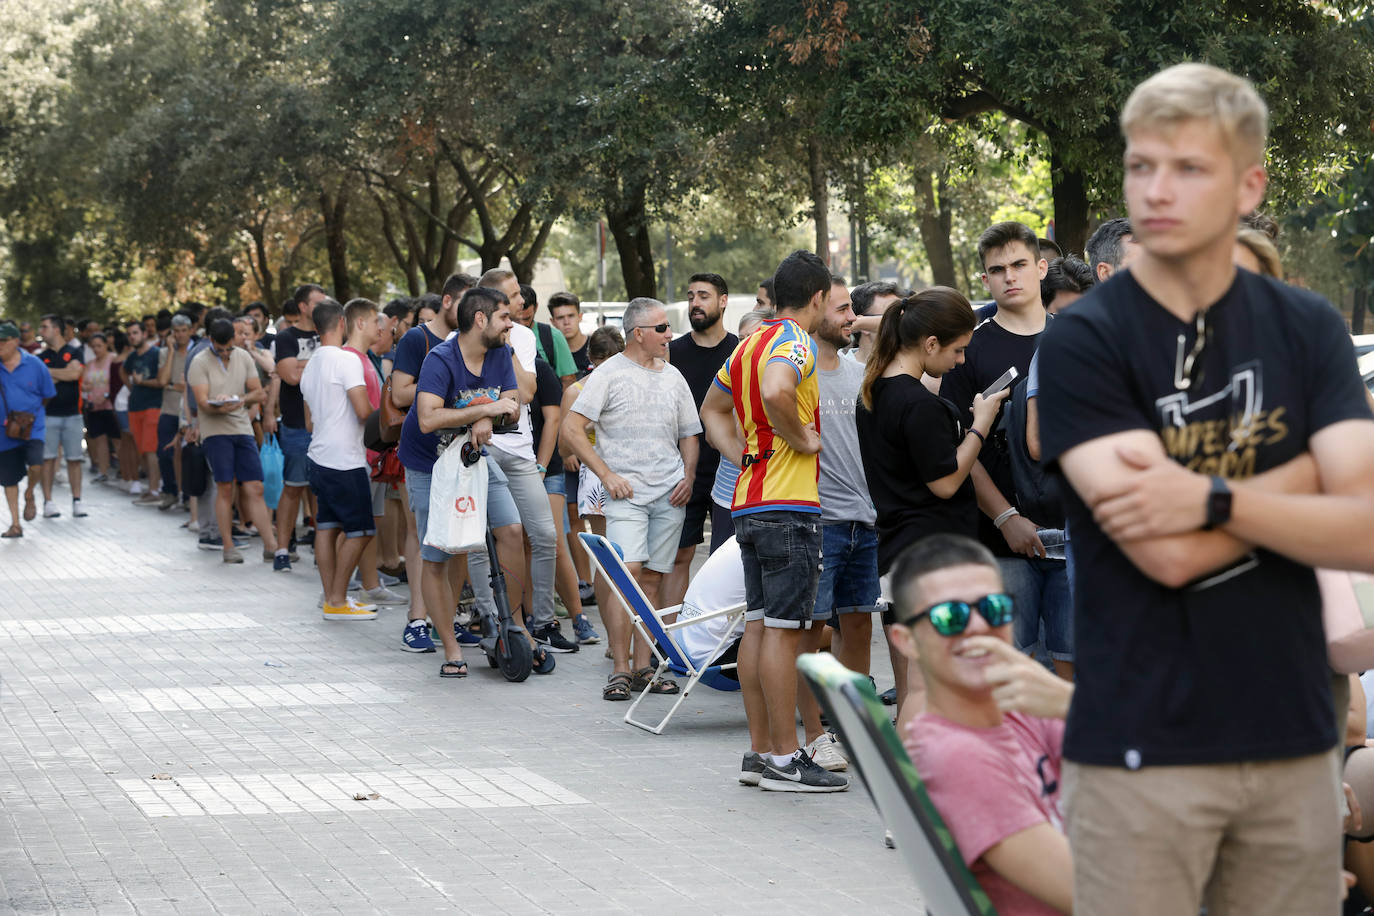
520,443
640,414
336,441
719,584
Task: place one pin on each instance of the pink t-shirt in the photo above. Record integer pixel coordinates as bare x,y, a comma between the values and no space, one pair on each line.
374,393
990,783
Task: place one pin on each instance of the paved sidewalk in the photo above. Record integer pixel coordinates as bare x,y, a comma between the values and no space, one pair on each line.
181,736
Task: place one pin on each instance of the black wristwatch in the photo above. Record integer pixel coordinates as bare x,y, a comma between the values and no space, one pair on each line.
1218,504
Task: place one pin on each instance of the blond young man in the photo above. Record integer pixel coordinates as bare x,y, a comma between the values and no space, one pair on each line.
1194,410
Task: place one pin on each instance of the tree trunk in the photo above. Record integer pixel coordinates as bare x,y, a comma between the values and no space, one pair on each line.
1070,206
334,206
1359,309
629,224
935,221
820,197
524,264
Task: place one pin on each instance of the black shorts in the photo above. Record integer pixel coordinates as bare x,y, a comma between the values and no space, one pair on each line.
101,423
698,509
15,462
343,500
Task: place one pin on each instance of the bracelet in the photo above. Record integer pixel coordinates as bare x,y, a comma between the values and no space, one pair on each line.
978,434
1006,516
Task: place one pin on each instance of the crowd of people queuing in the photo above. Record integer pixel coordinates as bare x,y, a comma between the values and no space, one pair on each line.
1094,572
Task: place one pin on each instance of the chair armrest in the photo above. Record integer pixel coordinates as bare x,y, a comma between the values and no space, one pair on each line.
680,622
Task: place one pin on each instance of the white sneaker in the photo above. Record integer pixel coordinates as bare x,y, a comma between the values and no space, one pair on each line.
50,509
382,595
136,488
826,755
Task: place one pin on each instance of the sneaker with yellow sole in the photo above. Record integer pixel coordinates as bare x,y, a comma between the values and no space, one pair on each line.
348,611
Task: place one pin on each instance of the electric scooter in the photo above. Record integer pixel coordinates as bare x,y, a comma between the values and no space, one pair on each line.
506,645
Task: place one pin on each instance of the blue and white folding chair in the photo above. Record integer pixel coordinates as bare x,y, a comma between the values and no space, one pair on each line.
947,886
650,626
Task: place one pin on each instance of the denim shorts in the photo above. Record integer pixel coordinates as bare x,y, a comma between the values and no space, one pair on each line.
781,552
295,443
1040,589
343,499
556,485
65,431
233,458
849,570
647,534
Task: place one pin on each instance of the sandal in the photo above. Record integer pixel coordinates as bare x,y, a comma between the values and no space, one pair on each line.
617,687
542,660
644,677
14,531
30,508
453,669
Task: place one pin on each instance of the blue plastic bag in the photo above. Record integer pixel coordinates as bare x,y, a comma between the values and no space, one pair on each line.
272,464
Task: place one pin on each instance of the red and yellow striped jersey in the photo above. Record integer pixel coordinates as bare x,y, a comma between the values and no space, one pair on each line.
772,476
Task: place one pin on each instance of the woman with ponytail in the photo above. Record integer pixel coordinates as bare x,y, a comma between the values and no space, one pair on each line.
916,455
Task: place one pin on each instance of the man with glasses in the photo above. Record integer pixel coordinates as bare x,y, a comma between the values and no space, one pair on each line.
224,383
28,341
988,745
645,456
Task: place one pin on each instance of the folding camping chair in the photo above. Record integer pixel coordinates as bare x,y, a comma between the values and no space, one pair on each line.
947,887
650,626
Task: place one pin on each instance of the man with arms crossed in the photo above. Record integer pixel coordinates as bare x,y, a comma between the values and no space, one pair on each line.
64,421
770,381
1194,409
293,348
699,356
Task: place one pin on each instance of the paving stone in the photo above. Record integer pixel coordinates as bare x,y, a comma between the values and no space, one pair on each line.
127,655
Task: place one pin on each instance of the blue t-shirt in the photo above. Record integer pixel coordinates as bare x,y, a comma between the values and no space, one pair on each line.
25,389
411,351
141,397
444,373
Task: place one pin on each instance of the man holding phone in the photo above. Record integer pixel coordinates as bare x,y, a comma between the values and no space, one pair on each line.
1035,574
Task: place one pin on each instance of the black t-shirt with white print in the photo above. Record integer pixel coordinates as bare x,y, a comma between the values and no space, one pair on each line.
301,345
991,352
1232,667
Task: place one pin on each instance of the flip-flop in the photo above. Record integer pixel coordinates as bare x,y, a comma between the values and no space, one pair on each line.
453,669
14,531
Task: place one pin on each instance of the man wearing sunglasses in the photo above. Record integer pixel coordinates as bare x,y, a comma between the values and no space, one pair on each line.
989,744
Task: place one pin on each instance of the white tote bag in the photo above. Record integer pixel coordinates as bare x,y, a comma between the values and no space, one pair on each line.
457,502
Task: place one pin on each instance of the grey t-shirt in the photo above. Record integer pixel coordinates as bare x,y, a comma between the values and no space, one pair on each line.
843,487
640,414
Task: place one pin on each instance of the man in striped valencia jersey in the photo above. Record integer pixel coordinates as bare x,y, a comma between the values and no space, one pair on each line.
770,384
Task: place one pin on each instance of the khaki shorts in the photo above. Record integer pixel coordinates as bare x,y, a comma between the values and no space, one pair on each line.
1247,839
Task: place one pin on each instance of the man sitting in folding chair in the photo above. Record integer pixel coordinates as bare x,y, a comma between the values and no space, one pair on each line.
989,743
702,639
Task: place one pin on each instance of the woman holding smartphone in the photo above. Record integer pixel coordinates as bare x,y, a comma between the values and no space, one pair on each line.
916,454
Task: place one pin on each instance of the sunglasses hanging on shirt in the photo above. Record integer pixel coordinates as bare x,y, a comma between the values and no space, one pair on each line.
1188,368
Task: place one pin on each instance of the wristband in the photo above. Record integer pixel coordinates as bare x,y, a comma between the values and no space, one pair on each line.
1005,517
978,434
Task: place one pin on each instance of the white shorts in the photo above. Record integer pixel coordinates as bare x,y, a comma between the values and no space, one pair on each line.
646,534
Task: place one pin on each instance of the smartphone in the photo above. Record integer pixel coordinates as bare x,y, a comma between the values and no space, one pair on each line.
1007,378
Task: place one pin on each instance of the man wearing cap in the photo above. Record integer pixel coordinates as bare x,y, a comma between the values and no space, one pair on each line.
25,387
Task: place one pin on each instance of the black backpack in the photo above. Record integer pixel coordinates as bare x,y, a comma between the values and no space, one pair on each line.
1037,492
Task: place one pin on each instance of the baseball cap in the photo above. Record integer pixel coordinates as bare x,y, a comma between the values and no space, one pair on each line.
8,329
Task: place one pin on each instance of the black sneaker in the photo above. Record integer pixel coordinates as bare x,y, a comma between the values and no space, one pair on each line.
800,774
552,637
751,769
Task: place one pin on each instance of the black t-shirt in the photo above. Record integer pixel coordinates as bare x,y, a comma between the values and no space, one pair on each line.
699,366
990,353
909,439
300,345
583,361
67,401
548,390
1232,667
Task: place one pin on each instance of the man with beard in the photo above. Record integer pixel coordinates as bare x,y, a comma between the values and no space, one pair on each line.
699,356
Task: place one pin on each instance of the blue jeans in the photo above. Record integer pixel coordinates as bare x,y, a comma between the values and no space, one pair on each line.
849,570
781,552
1040,589
295,443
